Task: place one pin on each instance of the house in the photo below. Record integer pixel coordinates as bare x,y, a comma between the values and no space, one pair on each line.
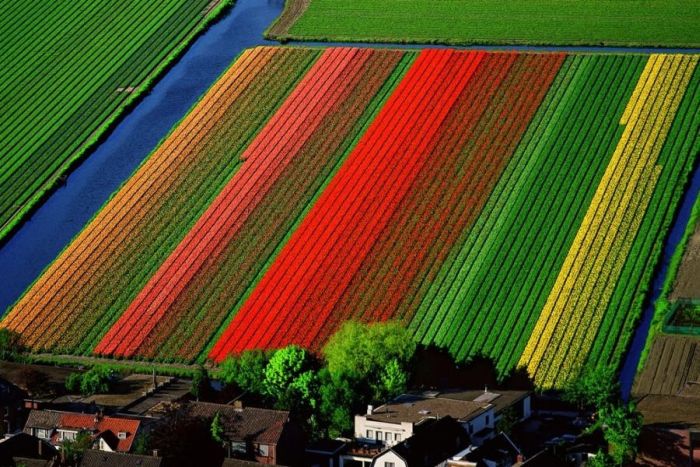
401,418
430,447
231,462
11,407
266,436
108,433
324,453
499,451
95,458
24,449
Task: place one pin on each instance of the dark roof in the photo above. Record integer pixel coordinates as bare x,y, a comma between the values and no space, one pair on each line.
23,445
499,449
542,459
243,424
416,408
94,458
326,446
440,440
500,399
43,419
229,462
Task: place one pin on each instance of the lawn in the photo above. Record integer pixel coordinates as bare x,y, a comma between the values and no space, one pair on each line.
646,23
69,70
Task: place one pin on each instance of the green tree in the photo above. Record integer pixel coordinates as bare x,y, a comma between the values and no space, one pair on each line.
593,389
8,344
393,380
217,429
507,421
142,443
73,382
200,383
97,380
281,372
337,401
74,449
247,371
621,424
359,352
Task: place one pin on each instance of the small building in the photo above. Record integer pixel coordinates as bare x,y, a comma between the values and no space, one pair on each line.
11,407
430,447
499,451
94,458
24,449
263,435
324,453
111,434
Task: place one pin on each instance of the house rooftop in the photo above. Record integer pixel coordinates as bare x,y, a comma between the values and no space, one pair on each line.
93,458
243,423
443,439
118,433
414,408
498,398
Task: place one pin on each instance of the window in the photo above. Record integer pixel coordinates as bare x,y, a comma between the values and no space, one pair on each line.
387,436
121,435
388,464
397,437
239,448
471,429
42,433
262,450
370,434
488,419
378,436
66,435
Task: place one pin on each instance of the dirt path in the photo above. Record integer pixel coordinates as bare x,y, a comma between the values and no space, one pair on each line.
688,279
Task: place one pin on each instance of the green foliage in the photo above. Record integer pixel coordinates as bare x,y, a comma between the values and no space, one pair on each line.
393,380
8,344
621,425
337,402
507,421
97,380
200,383
142,443
247,370
74,449
73,382
288,377
359,352
601,459
547,22
217,428
593,388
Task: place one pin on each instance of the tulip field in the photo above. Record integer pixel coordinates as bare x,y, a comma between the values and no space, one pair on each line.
507,204
70,69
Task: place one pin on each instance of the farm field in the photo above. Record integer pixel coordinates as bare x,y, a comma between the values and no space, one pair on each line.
68,73
687,278
673,367
505,204
542,22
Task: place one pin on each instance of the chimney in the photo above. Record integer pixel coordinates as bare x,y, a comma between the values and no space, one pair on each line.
156,453
486,389
238,405
370,409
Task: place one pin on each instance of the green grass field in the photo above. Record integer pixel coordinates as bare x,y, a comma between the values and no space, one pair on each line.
69,69
556,22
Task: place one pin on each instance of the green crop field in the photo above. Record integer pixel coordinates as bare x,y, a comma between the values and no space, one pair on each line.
557,22
69,70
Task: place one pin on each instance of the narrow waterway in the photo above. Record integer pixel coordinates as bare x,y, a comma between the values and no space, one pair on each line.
629,367
39,240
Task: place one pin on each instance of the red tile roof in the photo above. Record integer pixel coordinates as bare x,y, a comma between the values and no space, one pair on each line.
99,425
107,427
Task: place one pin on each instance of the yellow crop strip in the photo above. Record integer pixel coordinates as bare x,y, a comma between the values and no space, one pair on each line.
592,267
